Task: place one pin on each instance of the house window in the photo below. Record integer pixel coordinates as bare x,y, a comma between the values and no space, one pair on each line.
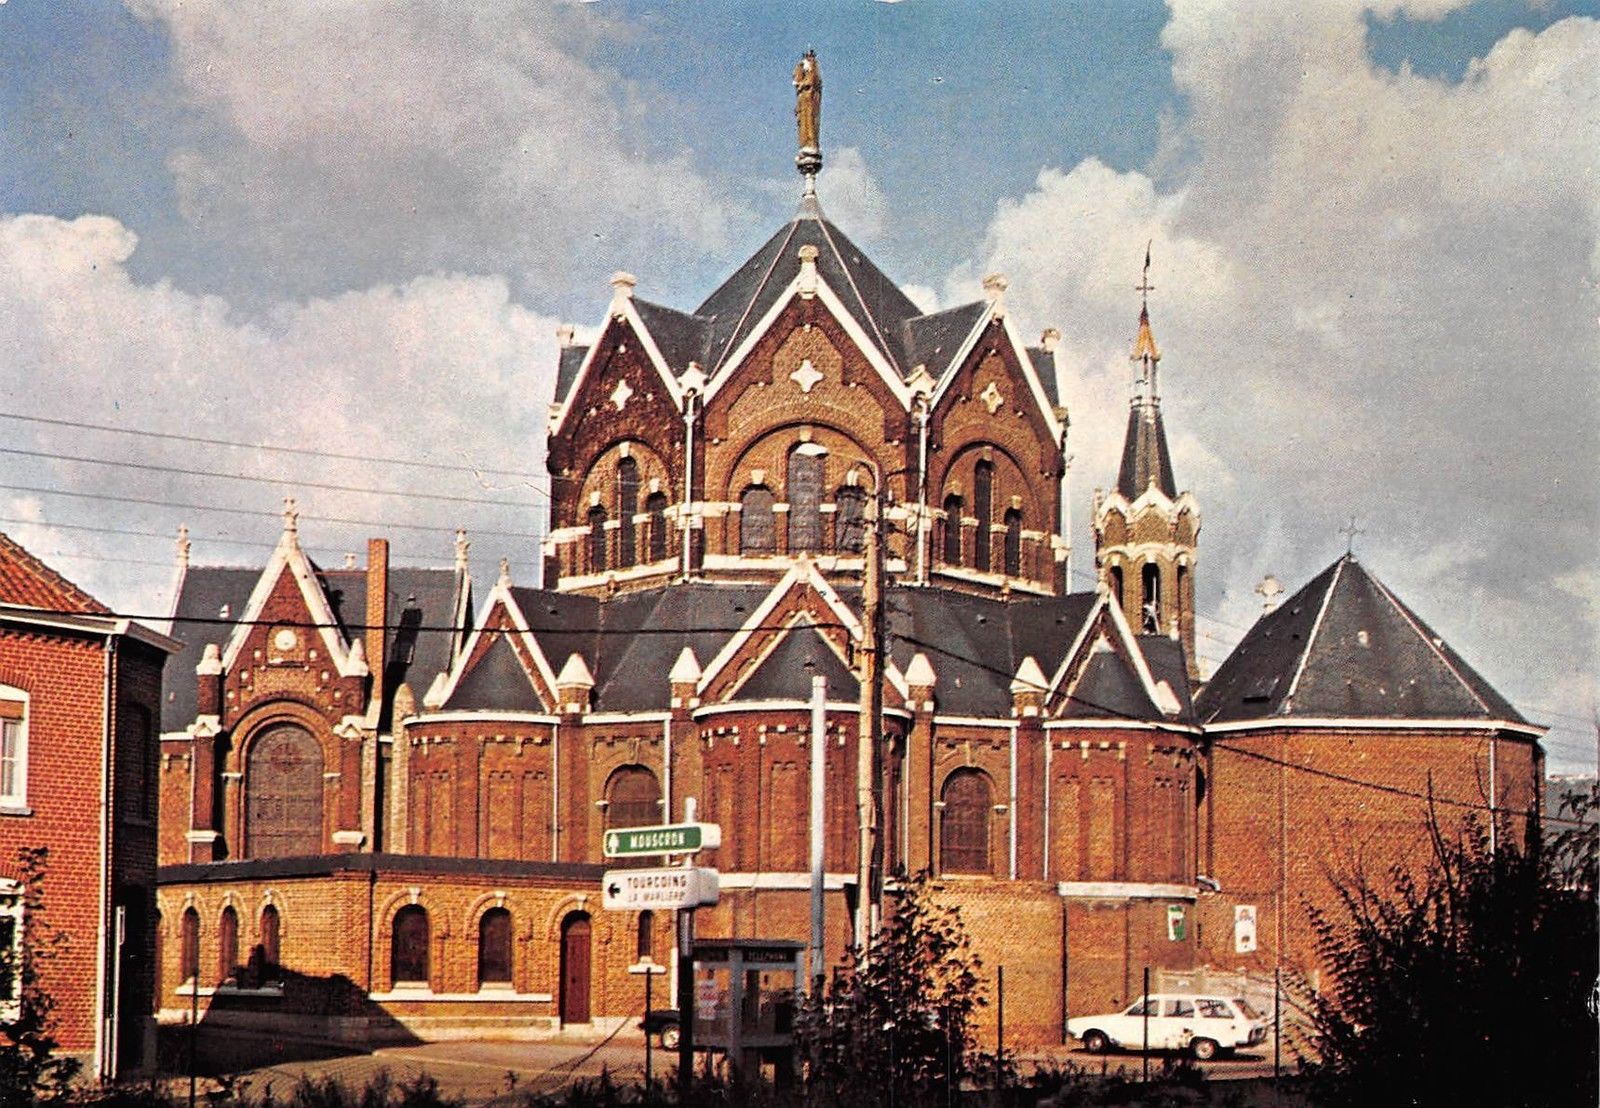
628,495
10,946
227,944
982,507
408,953
758,533
597,539
189,946
1013,542
964,830
804,490
13,748
850,520
952,530
656,506
494,948
644,948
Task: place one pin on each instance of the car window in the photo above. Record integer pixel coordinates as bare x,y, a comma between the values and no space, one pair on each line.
1212,1008
1143,1007
1180,1007
1244,1006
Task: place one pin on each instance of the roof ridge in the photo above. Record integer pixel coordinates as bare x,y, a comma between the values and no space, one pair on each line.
866,309
1420,630
777,255
1285,705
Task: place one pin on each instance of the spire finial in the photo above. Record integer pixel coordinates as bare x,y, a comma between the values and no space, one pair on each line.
808,118
291,516
183,544
1350,531
462,546
1144,287
505,573
1145,351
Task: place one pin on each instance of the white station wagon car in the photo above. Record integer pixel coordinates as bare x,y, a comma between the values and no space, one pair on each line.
1201,1024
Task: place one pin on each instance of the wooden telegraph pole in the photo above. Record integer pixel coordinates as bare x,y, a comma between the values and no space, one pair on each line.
869,749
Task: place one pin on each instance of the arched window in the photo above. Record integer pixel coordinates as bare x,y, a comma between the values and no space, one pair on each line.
804,493
758,533
644,948
982,507
850,519
633,798
656,506
1013,542
1150,603
227,944
269,949
283,794
597,539
494,948
189,946
628,505
964,828
1116,584
952,529
408,949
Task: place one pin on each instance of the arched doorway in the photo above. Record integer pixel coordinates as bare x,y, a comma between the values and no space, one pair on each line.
283,794
575,931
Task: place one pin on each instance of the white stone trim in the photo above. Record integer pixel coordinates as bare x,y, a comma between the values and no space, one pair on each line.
1290,723
1125,890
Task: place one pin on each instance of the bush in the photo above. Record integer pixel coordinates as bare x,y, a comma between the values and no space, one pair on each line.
31,1072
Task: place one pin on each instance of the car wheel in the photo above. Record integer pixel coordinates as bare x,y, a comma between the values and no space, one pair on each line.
1095,1042
1203,1049
669,1038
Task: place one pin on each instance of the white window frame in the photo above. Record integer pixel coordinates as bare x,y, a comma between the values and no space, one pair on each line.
15,800
11,907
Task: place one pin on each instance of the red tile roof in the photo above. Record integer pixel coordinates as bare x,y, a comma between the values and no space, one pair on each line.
25,580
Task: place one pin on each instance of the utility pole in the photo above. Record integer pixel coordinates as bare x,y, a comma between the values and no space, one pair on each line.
869,749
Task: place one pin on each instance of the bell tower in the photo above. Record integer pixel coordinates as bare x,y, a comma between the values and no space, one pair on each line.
1145,531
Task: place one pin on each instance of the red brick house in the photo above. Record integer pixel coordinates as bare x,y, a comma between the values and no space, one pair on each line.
369,787
79,702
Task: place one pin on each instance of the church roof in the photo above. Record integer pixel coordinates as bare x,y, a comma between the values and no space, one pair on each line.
26,581
735,308
1145,459
567,368
1345,647
934,340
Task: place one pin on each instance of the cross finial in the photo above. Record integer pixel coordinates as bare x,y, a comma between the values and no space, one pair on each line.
1144,287
1350,531
1269,590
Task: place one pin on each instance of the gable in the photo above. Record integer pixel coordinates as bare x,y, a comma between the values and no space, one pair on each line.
623,369
992,395
785,671
496,680
801,599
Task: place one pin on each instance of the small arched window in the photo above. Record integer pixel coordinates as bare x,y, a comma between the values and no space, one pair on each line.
627,506
656,508
1013,566
227,944
803,489
633,798
271,948
964,828
850,520
1150,603
189,949
408,952
494,948
758,533
645,945
983,508
1116,584
597,539
952,529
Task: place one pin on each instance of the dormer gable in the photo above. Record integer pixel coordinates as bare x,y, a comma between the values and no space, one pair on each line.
502,666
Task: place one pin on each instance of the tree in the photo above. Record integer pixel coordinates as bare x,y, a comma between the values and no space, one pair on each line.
1468,983
896,1025
31,1072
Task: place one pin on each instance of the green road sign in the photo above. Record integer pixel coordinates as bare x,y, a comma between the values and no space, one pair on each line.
670,838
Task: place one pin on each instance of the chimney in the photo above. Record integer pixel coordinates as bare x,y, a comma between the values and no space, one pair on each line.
377,610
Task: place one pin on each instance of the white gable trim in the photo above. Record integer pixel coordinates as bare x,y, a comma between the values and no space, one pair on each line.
1289,723
501,595
1078,642
630,315
1019,349
288,555
835,306
1311,639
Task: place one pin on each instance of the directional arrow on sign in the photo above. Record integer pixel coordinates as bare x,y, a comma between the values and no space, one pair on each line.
611,843
613,889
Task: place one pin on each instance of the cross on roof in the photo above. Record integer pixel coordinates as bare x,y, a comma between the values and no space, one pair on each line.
1144,287
1350,531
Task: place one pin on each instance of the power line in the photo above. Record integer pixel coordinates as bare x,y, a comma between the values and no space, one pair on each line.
293,450
282,482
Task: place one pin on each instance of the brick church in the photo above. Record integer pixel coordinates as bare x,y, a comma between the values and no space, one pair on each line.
383,796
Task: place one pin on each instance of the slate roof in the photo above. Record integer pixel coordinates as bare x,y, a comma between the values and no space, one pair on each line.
876,302
1144,453
682,338
421,605
567,368
26,581
1345,647
934,340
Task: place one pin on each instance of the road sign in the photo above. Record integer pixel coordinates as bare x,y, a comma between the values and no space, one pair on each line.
1244,928
669,838
632,890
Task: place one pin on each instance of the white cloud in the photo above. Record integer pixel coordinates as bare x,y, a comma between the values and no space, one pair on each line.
1375,294
443,368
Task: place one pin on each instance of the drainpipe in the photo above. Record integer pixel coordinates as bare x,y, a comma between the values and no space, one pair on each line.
923,415
105,1007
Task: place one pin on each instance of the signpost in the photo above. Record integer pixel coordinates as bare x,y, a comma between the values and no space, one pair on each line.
681,888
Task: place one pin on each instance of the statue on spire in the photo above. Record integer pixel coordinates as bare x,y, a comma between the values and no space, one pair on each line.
808,113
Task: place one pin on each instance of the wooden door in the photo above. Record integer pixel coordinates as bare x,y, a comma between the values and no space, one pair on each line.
575,969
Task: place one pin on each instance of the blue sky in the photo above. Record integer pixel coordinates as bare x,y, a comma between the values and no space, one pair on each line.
1374,232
